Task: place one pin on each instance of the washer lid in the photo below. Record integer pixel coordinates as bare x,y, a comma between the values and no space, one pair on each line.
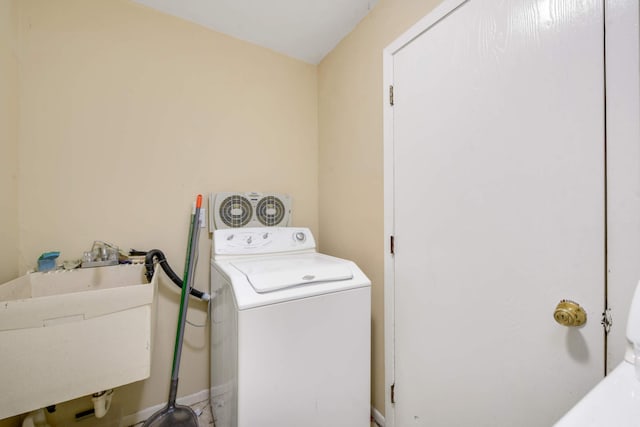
271,274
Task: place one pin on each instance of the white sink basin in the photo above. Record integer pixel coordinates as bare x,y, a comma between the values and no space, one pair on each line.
615,401
67,334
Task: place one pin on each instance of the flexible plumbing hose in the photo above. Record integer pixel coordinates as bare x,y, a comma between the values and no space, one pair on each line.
157,255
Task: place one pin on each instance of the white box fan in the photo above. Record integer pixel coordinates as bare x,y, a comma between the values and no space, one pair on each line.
232,210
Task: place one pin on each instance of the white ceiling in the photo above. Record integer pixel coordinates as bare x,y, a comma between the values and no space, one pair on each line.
303,29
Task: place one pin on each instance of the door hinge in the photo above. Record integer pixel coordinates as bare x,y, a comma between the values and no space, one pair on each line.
390,94
607,320
392,245
393,393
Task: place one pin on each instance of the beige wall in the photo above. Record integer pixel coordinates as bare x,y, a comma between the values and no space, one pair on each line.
8,141
350,164
127,114
8,148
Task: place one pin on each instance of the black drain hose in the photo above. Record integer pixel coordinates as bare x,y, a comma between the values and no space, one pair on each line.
157,255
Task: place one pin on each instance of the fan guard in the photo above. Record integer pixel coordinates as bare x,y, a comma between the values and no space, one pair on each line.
270,211
236,211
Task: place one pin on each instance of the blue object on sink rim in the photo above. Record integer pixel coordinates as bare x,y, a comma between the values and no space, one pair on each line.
47,261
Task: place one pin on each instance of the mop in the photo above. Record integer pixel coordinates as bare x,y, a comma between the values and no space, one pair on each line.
172,414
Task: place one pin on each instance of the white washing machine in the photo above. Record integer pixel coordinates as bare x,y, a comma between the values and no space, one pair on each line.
290,332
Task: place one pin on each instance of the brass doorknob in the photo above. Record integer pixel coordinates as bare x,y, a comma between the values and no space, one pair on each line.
569,313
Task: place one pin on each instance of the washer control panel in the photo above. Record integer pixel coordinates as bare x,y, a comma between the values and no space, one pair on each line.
262,240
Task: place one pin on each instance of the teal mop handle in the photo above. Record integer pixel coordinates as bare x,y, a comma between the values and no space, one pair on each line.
192,247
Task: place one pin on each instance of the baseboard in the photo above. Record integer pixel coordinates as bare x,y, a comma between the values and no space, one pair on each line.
377,417
201,396
140,416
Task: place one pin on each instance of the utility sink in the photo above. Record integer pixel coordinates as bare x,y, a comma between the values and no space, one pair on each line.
67,334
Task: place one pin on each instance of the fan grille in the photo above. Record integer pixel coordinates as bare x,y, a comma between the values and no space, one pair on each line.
270,211
236,211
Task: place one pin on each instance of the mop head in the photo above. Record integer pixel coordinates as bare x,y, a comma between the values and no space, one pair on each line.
177,416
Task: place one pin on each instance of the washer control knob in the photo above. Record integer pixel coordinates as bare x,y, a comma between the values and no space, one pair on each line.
299,236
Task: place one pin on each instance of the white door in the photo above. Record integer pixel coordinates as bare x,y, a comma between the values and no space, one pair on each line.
498,210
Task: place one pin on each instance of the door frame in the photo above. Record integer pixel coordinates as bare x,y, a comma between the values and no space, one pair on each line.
622,158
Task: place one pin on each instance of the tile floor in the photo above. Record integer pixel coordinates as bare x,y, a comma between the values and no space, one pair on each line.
203,410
